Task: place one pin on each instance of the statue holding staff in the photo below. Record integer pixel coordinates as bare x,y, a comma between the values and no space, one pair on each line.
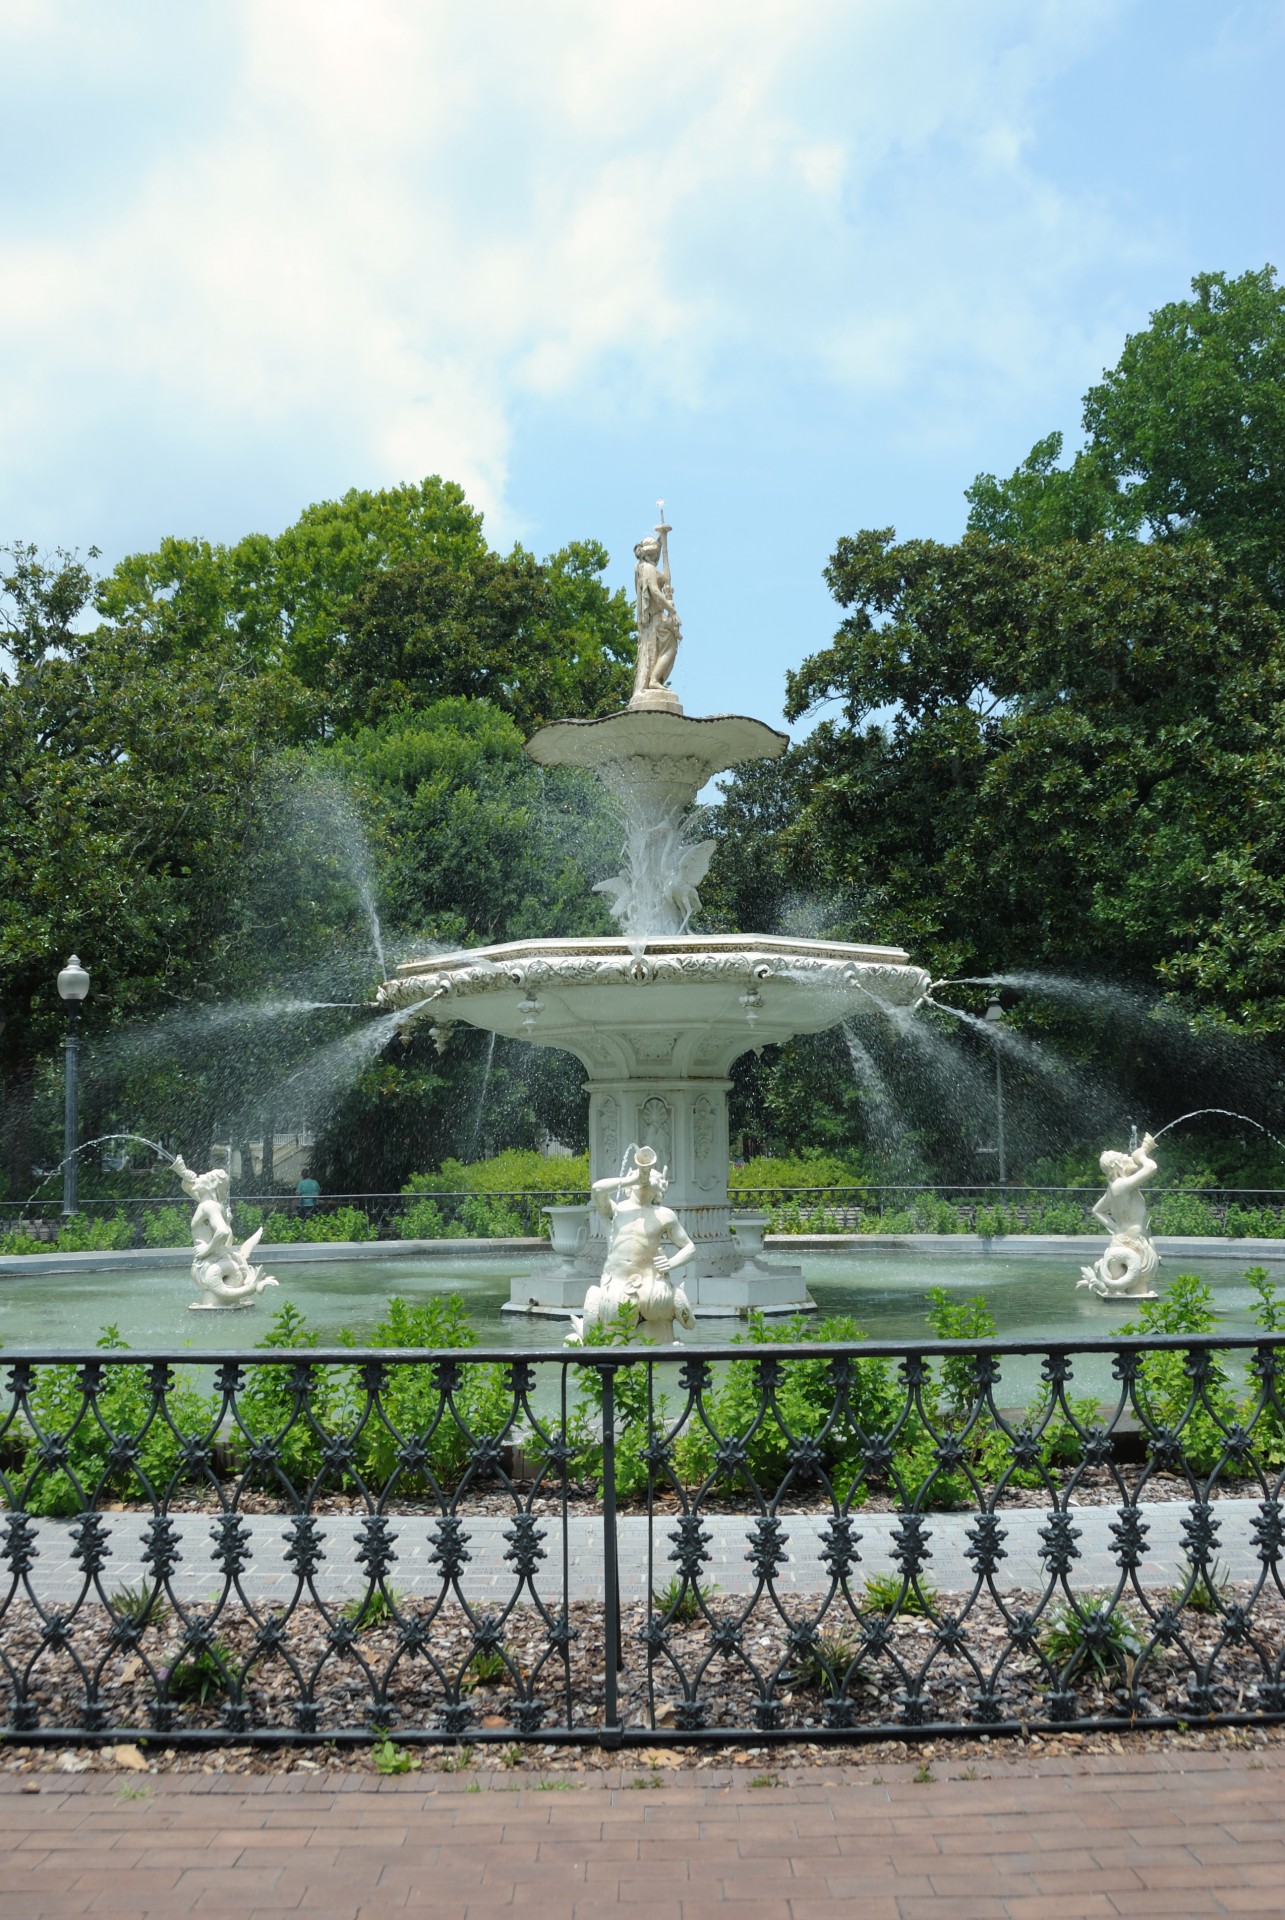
659,631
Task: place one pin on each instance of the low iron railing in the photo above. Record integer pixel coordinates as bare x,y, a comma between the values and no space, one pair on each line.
761,1542
159,1220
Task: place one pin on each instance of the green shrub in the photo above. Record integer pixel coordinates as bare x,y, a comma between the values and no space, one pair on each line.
804,1402
884,1594
516,1170
122,1411
15,1243
345,1223
279,1229
415,1403
1183,1213
1165,1390
201,1676
812,1168
422,1220
82,1234
954,1319
167,1227
1253,1223
923,1482
1059,1216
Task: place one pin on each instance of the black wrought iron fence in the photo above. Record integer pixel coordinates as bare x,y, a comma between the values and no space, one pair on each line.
762,1542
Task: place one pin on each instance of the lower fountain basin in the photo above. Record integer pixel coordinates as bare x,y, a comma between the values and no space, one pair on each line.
657,1025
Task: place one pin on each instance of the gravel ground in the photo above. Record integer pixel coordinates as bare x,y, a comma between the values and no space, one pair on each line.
724,1659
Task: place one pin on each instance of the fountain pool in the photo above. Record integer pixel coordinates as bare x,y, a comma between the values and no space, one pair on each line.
886,1292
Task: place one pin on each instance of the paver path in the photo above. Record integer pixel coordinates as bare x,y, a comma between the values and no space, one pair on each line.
55,1576
1173,1833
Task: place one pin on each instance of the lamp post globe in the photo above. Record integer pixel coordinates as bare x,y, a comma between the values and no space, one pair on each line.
994,1018
73,987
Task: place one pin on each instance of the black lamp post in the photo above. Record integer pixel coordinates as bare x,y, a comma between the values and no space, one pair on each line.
994,1017
73,985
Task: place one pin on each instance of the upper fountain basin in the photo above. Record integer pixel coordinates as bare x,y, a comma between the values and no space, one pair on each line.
710,743
675,1004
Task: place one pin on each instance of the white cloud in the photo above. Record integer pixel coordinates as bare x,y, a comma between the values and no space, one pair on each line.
385,221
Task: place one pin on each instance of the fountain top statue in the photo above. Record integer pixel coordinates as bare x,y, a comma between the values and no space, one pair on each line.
659,631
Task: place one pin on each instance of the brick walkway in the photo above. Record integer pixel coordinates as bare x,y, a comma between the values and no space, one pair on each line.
1172,1833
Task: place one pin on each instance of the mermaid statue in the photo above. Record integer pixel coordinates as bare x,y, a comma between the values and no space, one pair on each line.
1130,1263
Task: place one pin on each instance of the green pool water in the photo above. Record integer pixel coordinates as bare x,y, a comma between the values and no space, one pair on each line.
885,1291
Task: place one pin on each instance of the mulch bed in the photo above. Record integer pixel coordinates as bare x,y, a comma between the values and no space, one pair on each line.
366,1679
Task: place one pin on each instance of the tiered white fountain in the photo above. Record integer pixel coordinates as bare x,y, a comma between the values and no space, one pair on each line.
657,1015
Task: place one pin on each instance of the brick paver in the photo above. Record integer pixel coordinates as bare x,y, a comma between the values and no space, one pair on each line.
1177,1834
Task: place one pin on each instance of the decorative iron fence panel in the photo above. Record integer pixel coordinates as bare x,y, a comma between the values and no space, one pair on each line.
760,1542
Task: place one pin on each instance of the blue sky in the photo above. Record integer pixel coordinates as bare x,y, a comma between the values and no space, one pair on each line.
800,267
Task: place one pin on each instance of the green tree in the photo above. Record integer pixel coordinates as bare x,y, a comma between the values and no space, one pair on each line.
127,776
1185,436
383,597
1082,768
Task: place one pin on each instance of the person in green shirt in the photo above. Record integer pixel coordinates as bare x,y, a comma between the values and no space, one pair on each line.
308,1191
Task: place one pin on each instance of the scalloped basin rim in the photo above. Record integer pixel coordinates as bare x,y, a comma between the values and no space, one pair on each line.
769,944
721,740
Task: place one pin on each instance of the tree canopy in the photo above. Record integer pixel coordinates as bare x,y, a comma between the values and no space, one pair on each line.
1185,436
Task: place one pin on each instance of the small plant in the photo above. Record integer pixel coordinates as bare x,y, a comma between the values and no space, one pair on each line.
648,1780
201,1676
487,1668
679,1600
1092,1636
766,1780
140,1606
392,1759
889,1593
1207,1589
923,1775
511,1756
827,1666
378,1608
543,1785
458,1762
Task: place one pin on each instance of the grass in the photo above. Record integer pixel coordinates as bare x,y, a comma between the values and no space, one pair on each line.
648,1780
766,1780
923,1774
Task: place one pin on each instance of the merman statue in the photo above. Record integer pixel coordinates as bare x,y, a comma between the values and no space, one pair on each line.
1129,1265
635,1289
221,1270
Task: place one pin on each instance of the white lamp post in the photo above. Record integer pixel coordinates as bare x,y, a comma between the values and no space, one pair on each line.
73,985
994,1017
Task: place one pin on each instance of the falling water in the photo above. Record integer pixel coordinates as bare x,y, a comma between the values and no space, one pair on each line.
335,1067
886,1118
481,1098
